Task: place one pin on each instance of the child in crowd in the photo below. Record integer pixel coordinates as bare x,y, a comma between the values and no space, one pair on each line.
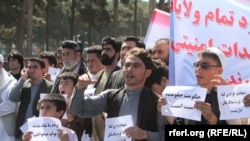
53,105
82,126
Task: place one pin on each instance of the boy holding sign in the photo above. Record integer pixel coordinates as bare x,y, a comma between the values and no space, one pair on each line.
53,105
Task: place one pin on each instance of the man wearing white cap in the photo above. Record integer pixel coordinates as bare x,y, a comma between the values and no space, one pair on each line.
208,66
210,63
219,80
7,107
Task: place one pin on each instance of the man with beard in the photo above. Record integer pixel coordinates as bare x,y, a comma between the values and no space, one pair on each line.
72,61
133,99
109,58
8,108
129,42
161,50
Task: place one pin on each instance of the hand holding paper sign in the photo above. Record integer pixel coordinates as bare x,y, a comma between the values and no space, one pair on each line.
136,133
161,103
42,128
27,136
181,101
207,112
246,100
63,135
233,101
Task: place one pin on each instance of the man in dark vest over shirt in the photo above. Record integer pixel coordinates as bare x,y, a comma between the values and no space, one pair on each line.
133,99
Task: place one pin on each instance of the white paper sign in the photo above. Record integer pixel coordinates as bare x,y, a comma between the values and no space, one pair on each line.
114,128
231,104
44,128
53,73
181,100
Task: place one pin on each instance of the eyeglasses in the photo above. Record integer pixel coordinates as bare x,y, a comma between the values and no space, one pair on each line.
204,65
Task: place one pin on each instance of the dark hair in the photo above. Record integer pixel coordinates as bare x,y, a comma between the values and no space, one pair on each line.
159,70
38,60
115,43
18,56
49,56
69,75
57,99
141,54
80,45
150,51
96,49
138,42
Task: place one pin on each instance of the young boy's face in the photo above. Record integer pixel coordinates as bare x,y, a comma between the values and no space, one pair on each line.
48,109
66,87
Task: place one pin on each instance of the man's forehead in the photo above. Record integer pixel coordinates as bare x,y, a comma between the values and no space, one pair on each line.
33,62
65,50
66,80
107,46
92,54
159,47
205,58
129,43
133,59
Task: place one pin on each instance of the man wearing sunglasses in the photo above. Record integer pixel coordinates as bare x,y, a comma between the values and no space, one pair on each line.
210,62
208,66
208,71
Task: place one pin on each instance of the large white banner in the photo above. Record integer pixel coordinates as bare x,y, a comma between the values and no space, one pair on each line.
198,24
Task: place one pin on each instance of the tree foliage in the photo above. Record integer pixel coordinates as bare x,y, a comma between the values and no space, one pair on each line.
93,20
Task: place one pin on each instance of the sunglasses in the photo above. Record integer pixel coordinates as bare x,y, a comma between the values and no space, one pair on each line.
204,65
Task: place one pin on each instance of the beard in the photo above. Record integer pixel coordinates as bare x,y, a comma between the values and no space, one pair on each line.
70,66
106,60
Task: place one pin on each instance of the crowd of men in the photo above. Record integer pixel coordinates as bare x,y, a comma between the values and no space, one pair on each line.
117,78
